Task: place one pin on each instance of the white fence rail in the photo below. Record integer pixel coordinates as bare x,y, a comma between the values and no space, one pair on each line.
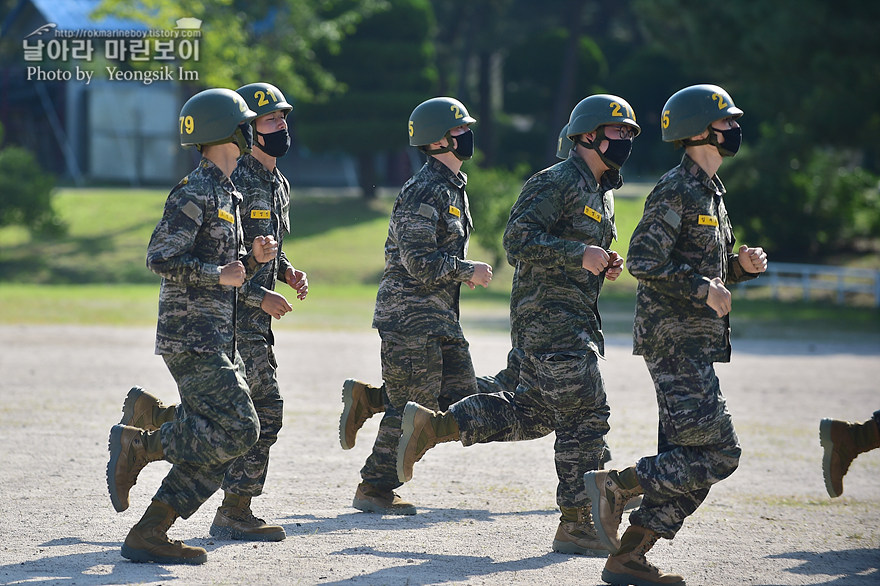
808,278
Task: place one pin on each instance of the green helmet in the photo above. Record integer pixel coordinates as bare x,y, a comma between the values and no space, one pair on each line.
213,117
434,118
595,111
264,98
691,110
564,144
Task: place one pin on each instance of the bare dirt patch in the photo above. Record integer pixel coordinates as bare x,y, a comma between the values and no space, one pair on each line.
486,513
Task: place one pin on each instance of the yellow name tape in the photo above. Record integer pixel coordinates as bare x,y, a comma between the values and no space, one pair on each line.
224,215
261,214
708,221
455,211
590,212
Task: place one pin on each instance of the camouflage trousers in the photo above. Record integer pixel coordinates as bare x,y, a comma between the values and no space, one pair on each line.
430,370
216,423
562,392
697,445
247,474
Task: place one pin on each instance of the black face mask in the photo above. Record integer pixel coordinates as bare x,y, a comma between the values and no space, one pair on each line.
277,143
732,141
618,152
465,148
244,138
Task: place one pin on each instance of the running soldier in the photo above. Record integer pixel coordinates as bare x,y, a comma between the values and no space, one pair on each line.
682,253
559,234
197,249
424,354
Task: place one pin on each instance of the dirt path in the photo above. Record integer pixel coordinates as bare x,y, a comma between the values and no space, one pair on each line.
487,513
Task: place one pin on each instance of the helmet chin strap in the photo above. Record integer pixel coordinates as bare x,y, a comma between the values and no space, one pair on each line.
596,144
710,139
447,149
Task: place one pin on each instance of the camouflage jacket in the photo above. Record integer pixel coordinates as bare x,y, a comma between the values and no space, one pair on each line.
553,304
199,232
425,254
264,212
683,240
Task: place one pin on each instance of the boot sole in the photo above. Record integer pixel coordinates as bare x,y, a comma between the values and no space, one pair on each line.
408,427
573,548
229,533
828,447
114,445
370,507
595,500
141,556
626,580
348,403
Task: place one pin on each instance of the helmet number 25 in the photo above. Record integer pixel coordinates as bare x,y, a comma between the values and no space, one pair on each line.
187,124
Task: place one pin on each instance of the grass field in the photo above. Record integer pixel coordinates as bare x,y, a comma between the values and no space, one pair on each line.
96,273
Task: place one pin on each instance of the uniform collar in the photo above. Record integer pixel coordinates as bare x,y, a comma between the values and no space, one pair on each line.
251,163
713,183
457,179
586,173
225,182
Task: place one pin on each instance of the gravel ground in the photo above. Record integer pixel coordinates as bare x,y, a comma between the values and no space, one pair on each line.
486,513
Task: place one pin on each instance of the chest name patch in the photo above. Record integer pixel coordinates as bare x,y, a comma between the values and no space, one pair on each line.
591,213
224,215
455,211
261,214
708,220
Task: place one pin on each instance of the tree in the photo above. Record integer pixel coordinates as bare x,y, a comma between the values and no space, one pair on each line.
26,192
386,70
247,40
807,171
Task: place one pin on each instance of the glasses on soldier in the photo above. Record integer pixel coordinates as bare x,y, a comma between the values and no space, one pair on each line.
619,131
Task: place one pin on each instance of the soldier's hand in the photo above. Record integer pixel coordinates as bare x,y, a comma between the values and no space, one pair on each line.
719,297
615,266
299,281
265,248
482,275
275,304
595,259
232,274
752,260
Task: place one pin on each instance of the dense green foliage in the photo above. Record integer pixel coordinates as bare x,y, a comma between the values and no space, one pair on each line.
26,192
806,73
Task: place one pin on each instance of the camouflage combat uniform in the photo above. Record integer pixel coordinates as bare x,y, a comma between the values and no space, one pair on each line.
264,211
683,240
425,357
555,322
199,232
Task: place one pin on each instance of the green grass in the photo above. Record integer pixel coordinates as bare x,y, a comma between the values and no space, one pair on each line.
96,273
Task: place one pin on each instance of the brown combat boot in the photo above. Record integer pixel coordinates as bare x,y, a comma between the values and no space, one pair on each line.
842,442
360,402
147,541
143,410
234,520
576,533
130,450
422,430
609,498
371,499
630,566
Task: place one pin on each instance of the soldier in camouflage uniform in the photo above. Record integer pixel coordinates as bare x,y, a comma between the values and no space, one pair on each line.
559,234
265,210
424,354
682,253
197,248
362,400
